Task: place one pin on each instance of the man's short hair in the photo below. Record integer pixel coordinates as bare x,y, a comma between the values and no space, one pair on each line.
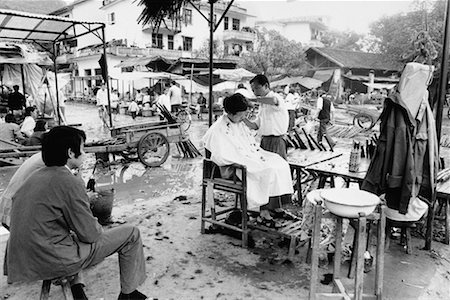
9,118
235,103
260,79
15,87
241,86
29,110
57,142
172,82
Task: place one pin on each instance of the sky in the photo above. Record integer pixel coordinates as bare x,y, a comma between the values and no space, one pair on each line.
343,15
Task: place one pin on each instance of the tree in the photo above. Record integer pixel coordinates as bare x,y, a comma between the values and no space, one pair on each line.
274,54
203,52
342,40
394,34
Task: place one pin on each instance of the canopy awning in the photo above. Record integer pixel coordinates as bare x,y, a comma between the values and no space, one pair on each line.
130,76
239,74
142,61
26,27
379,86
307,82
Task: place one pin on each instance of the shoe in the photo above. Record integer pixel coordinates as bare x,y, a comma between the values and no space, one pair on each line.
135,295
78,292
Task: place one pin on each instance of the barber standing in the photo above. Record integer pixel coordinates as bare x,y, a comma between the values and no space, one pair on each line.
325,114
273,118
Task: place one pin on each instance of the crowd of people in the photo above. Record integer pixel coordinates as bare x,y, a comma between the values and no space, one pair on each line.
19,123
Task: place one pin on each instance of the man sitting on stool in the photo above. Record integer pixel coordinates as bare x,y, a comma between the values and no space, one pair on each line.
53,232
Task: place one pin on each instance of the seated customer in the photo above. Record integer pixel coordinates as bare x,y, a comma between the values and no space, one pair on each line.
29,122
53,232
10,131
39,130
230,141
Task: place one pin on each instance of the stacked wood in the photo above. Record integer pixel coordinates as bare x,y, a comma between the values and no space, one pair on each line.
445,140
344,131
443,175
186,147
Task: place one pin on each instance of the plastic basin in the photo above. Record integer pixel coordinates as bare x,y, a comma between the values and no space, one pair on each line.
349,203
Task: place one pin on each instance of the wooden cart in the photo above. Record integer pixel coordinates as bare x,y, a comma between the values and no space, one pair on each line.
149,141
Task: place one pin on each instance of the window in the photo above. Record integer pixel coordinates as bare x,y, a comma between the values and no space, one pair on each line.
249,46
157,40
98,82
187,16
170,42
225,23
112,18
236,24
187,43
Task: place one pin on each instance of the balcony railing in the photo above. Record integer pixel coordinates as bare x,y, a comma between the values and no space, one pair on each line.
132,52
238,35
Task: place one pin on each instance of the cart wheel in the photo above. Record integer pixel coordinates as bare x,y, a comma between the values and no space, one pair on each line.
184,118
153,149
363,121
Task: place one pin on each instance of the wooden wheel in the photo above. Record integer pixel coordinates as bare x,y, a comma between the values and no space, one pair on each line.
363,120
153,149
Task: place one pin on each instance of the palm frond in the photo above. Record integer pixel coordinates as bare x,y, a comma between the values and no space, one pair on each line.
154,11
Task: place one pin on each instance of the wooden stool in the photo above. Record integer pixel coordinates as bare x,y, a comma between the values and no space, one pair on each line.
65,286
405,235
361,248
212,181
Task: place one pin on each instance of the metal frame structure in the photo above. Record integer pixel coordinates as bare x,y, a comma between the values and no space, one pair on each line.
48,32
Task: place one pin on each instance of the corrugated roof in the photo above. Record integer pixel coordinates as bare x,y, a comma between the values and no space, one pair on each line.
355,59
17,25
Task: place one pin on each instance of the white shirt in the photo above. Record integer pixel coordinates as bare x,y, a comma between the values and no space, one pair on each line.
133,107
102,97
244,92
290,101
28,125
273,119
175,95
319,105
164,100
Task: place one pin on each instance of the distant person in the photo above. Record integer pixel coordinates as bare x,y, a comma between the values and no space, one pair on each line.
244,92
16,101
102,97
29,122
10,131
175,97
291,103
133,108
39,130
53,232
114,103
201,102
139,97
325,114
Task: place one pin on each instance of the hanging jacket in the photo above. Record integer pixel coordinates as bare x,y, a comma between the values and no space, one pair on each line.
406,159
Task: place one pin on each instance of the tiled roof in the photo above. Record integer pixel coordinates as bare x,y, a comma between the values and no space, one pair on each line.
356,59
33,6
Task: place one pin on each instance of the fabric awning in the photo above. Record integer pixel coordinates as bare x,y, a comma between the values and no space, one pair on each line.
142,61
379,86
307,82
239,74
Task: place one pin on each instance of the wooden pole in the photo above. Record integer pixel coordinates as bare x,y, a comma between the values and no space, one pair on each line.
55,55
190,91
107,77
211,60
23,80
440,106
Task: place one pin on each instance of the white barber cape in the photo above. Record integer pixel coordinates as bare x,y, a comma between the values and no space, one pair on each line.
268,174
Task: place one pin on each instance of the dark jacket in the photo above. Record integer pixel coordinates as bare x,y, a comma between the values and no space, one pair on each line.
391,170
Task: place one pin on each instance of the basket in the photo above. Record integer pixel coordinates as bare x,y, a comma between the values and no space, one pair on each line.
102,204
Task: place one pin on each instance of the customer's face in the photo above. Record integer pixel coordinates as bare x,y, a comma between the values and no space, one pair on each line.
238,117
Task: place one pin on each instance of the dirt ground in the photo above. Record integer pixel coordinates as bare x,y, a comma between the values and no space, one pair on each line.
183,264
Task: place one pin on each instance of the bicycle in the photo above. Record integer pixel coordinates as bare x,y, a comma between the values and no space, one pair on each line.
184,117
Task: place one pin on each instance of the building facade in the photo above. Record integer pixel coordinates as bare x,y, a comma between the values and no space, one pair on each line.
185,36
305,30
